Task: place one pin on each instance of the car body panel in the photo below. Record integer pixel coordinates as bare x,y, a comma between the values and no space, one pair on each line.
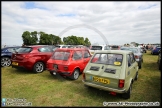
66,63
109,80
28,59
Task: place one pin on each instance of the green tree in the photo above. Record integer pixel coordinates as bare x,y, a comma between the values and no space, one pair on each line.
26,38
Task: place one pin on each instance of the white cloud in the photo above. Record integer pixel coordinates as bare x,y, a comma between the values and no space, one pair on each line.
118,22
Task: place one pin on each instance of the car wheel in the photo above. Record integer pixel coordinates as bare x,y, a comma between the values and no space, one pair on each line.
127,95
136,76
140,65
5,61
38,67
75,74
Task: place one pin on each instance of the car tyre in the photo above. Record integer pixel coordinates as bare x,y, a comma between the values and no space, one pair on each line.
127,95
140,65
75,74
38,67
5,61
136,76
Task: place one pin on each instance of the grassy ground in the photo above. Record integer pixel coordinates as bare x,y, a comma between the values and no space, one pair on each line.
46,90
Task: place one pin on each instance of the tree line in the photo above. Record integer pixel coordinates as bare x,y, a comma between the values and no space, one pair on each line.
42,38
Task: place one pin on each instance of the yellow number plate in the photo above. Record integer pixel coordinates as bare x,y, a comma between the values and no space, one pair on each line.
14,63
102,80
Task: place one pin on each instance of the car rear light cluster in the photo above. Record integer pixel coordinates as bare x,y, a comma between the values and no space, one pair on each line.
121,83
137,57
26,56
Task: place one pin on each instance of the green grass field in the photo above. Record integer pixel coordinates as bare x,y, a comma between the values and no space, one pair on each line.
46,90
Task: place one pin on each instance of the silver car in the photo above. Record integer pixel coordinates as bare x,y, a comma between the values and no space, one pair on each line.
138,53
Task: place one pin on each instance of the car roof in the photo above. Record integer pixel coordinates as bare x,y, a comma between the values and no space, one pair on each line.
115,51
70,49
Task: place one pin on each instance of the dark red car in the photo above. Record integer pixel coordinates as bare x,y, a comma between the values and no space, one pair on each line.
68,62
32,57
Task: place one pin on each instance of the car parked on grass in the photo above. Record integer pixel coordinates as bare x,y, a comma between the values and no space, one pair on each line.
113,71
155,50
6,54
32,57
115,47
68,62
159,60
137,53
95,48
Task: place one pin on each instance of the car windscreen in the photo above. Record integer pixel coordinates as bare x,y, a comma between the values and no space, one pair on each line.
96,48
109,59
24,50
61,55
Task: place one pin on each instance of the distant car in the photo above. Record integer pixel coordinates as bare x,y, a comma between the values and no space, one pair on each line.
6,54
95,48
113,71
115,47
137,53
155,50
144,50
32,57
68,62
159,60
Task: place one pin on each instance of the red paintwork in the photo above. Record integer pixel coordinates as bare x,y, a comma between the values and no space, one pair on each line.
68,65
27,60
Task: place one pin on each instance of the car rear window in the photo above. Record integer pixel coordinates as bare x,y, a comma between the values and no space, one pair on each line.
24,49
96,48
109,59
61,55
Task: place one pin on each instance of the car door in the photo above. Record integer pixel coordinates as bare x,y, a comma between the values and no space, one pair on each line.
45,53
132,67
86,57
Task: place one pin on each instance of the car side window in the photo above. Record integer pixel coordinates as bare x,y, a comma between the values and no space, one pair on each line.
129,60
10,50
44,49
77,55
86,54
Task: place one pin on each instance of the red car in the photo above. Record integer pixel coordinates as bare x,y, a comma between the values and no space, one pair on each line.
32,57
68,62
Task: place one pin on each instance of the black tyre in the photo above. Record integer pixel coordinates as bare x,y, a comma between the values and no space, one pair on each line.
136,76
140,65
5,61
75,74
38,67
127,95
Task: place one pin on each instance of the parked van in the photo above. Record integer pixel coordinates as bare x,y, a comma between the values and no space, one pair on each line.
95,48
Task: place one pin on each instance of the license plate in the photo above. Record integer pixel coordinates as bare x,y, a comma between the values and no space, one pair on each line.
15,63
102,80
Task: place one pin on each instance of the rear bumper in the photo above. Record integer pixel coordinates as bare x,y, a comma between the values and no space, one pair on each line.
103,87
58,72
18,67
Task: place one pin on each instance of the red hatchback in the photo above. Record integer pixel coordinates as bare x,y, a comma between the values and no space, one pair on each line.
32,57
68,62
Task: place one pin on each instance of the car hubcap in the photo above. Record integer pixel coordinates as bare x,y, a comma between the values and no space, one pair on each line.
39,67
76,74
5,62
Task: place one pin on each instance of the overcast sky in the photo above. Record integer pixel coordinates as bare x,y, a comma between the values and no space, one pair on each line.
101,22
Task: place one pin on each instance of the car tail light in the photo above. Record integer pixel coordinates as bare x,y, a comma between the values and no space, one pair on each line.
26,56
83,76
137,57
121,83
65,68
